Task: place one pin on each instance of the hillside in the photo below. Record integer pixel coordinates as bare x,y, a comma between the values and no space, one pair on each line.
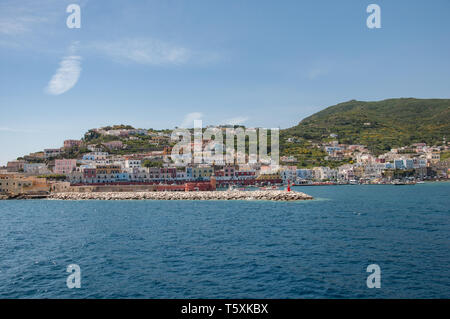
379,125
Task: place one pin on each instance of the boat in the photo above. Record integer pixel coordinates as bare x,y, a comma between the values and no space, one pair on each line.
397,183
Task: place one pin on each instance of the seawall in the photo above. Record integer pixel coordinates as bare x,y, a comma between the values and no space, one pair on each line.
272,195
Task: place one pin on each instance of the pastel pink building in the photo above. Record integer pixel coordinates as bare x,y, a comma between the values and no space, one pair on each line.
65,166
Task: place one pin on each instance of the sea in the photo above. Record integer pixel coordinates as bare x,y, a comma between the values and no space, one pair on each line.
232,249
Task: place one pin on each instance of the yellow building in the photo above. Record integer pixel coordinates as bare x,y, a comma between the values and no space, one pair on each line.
108,169
202,172
13,184
60,187
434,156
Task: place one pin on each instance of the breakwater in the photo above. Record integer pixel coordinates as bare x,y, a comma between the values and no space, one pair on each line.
272,195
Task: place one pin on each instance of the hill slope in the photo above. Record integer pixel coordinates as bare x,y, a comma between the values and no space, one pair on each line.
379,125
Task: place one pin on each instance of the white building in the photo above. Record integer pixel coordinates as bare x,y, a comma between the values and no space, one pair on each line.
133,163
35,168
288,174
419,162
374,170
304,173
346,172
52,152
325,173
95,156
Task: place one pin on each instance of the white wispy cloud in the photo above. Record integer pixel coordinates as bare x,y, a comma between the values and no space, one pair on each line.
11,27
66,76
19,22
317,72
15,130
189,119
144,51
239,120
20,17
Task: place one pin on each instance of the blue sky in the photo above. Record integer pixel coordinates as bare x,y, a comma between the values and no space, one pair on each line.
158,64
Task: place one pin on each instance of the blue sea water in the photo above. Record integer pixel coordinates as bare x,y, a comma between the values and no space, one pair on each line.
232,249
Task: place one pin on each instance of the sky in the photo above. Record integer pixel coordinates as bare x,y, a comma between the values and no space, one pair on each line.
161,64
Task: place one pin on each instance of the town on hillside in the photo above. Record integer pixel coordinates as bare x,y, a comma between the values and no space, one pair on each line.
122,158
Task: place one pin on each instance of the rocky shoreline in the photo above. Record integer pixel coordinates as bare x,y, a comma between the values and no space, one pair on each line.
271,195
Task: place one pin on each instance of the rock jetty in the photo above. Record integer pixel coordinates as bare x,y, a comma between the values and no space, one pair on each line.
271,195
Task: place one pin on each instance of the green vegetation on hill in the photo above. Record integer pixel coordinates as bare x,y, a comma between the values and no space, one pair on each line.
55,177
380,125
118,127
307,155
148,163
445,155
140,144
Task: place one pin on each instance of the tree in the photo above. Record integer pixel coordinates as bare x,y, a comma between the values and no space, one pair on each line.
149,163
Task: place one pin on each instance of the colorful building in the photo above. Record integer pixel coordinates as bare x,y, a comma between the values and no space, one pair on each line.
71,143
65,166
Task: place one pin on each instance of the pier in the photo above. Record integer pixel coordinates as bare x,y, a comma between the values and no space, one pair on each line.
268,195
